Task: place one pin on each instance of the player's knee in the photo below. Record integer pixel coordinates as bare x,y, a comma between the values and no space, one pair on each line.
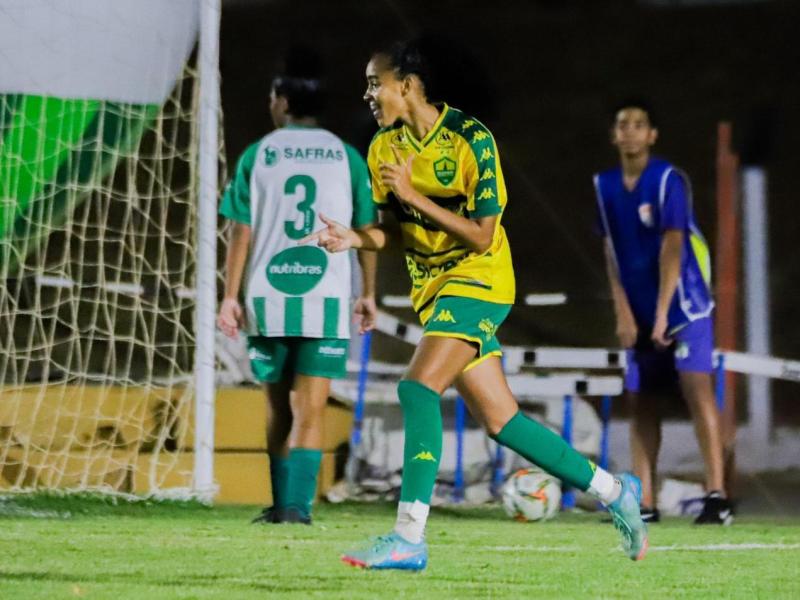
308,414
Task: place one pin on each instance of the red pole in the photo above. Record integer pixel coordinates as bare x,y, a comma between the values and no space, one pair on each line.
727,281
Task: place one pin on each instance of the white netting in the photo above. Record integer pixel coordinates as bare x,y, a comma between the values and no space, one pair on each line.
97,241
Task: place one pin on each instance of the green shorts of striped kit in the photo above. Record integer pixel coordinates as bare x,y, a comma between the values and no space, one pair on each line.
469,319
274,359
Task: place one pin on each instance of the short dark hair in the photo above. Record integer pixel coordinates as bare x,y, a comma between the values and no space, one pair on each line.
301,82
639,102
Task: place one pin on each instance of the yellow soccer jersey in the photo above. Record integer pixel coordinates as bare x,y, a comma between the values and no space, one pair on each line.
457,166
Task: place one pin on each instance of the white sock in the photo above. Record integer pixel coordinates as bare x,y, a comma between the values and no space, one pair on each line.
604,486
411,520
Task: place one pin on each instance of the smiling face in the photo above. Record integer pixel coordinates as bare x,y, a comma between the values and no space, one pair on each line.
386,93
632,133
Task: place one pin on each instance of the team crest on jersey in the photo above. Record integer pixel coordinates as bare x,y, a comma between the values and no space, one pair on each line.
271,156
646,214
445,170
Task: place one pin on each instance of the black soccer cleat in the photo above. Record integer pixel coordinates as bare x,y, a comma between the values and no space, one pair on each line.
267,516
292,514
650,515
716,510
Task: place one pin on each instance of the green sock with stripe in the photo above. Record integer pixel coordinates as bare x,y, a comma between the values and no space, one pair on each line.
542,447
422,452
303,470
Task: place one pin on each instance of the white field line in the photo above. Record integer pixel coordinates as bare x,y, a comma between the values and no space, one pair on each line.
725,547
672,548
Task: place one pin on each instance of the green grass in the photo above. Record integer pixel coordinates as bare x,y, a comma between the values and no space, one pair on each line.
90,548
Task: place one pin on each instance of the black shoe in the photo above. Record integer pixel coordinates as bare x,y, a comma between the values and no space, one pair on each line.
268,515
650,515
716,510
291,514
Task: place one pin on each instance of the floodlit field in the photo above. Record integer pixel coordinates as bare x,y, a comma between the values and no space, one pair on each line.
68,548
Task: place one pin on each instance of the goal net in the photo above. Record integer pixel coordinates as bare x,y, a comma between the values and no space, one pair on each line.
98,199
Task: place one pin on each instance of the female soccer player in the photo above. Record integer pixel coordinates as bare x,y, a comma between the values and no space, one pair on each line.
297,303
438,172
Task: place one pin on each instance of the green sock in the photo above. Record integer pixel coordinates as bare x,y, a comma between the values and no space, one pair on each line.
303,470
542,447
422,423
279,476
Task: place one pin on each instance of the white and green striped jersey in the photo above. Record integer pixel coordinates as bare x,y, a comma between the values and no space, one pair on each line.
282,183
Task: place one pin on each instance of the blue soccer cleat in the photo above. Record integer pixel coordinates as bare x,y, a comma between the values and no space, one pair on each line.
389,552
627,518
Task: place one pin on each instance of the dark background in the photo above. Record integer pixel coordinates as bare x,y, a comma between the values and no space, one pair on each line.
543,76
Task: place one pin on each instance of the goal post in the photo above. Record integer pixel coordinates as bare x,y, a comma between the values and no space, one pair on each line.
205,354
103,299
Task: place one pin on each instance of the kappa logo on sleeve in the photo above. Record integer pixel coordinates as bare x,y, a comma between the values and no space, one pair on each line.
445,316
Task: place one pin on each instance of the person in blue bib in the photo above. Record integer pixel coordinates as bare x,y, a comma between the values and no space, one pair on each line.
659,270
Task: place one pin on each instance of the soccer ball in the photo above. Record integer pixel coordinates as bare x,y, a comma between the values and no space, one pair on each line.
531,495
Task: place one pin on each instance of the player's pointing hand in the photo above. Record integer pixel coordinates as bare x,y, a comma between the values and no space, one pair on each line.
334,237
397,176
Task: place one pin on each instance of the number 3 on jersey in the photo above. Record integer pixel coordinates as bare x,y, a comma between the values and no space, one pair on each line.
309,195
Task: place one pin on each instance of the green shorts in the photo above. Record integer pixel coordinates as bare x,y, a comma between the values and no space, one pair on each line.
469,319
274,358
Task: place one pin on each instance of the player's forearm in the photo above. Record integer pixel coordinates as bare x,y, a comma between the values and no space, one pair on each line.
669,269
372,239
476,235
622,308
236,258
369,262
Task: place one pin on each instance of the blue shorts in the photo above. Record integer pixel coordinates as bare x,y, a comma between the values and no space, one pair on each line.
653,369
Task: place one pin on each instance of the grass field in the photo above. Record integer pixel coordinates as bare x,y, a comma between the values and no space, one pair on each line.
90,548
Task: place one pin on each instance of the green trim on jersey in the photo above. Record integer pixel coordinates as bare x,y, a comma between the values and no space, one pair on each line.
260,308
293,316
330,317
236,199
484,149
364,212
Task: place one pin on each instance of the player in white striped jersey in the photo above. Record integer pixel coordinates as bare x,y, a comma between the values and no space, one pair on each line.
297,298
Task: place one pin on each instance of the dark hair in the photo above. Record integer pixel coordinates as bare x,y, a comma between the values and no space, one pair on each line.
417,57
635,102
301,82
447,69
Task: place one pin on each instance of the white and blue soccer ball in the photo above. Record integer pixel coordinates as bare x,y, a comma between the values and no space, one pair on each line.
531,495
